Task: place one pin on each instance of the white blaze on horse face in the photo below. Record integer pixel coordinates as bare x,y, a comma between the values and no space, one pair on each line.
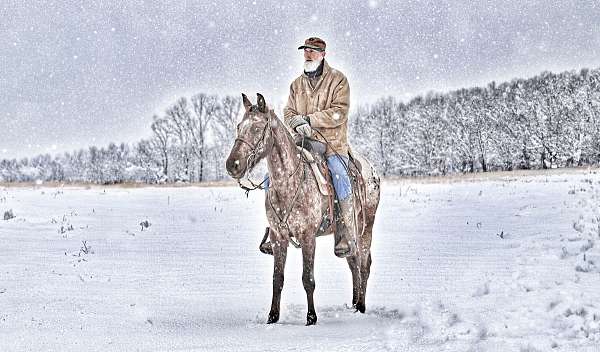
244,125
246,129
236,162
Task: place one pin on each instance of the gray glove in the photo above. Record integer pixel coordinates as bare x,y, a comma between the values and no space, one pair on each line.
298,120
304,129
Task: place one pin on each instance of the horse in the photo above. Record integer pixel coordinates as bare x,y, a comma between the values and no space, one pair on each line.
294,206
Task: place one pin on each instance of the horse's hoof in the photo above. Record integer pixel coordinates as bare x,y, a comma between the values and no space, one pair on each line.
273,318
360,307
311,319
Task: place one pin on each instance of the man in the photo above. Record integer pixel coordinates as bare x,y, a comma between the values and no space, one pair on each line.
317,107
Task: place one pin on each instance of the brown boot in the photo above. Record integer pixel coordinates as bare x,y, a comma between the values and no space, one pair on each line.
345,237
265,246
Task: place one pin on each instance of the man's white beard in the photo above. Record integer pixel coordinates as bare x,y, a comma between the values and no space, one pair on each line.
312,66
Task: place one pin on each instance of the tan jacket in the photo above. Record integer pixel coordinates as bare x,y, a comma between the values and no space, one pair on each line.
326,105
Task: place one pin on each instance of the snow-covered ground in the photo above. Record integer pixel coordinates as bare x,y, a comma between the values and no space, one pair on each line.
507,264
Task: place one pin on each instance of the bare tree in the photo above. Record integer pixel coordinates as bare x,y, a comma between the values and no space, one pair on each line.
160,127
179,119
205,108
224,125
226,120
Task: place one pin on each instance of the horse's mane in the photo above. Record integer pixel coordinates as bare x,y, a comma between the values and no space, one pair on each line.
285,129
272,115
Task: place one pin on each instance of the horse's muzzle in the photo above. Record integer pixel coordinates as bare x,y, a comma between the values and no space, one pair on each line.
235,167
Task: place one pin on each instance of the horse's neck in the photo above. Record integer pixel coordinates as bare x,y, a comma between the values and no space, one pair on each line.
283,160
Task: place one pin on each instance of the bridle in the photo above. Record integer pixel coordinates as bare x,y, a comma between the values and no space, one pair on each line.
254,153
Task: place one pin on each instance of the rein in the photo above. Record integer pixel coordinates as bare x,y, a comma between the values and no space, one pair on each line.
283,221
253,153
346,166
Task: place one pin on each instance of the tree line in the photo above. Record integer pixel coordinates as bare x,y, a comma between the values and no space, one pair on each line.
189,143
548,121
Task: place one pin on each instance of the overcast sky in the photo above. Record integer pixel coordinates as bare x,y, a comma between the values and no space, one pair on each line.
75,75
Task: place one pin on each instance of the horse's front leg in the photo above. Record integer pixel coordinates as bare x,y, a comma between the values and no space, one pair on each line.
354,265
308,278
279,257
365,266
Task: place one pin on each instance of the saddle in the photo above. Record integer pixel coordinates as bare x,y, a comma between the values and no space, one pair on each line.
313,152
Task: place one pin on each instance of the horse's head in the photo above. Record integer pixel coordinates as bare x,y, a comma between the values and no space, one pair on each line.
251,142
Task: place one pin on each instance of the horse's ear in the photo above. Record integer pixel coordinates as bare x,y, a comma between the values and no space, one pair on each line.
262,106
247,103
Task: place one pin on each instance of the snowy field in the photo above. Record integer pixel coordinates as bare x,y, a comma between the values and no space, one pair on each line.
505,264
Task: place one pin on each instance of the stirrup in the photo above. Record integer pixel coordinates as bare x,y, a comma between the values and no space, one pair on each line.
266,247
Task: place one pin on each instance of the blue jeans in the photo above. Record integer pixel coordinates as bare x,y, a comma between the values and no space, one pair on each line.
339,175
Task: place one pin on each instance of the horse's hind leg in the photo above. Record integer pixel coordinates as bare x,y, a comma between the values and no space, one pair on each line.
353,263
279,257
308,279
